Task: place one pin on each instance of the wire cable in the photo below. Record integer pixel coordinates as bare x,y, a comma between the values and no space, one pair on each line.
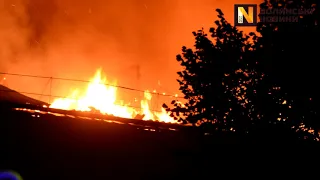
77,80
62,97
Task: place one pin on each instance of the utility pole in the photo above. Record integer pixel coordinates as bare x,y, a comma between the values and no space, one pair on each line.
138,76
138,80
50,90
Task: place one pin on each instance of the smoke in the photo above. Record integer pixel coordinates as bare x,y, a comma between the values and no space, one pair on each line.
14,33
71,39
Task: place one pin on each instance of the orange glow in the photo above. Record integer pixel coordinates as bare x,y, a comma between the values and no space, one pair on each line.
104,98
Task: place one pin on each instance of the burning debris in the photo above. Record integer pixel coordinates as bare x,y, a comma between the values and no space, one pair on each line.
94,110
102,98
3,81
139,116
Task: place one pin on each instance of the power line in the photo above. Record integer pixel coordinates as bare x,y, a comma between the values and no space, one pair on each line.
38,94
77,80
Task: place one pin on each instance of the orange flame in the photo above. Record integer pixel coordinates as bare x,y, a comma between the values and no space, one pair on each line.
103,98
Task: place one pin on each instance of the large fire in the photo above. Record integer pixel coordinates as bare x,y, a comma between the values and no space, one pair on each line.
103,98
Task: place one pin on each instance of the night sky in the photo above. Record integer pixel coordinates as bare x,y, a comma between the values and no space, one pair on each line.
71,39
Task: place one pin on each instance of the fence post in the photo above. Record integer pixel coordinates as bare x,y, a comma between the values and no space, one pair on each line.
157,102
50,90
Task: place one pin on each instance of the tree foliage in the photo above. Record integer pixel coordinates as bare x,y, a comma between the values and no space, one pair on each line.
217,79
288,52
232,81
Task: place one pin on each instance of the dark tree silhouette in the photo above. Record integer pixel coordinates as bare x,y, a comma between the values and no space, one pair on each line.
288,54
218,79
236,82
